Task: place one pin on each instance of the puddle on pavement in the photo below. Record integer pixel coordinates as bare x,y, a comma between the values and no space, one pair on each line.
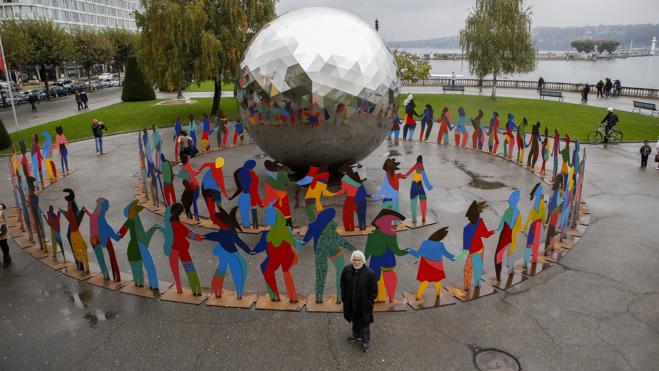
99,316
476,180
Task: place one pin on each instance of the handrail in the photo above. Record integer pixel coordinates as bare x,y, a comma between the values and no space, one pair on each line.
526,84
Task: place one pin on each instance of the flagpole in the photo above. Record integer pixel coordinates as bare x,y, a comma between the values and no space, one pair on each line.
11,91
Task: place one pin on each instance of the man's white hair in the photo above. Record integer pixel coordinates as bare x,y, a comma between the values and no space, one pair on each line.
357,254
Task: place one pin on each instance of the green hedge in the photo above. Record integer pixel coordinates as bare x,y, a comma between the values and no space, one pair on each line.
136,87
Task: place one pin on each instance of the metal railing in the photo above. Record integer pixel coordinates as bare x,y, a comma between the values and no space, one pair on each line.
526,84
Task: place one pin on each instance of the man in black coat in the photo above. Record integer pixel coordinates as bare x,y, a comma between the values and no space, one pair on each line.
358,292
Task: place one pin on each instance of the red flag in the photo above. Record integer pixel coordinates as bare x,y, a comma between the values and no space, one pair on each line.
2,64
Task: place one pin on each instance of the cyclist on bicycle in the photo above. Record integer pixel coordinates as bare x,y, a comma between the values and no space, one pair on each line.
611,119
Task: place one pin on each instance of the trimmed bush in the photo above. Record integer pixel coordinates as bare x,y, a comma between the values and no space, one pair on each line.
136,87
5,139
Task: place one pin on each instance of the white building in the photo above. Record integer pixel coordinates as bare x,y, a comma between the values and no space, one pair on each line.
74,13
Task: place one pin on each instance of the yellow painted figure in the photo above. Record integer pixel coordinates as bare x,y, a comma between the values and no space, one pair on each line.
74,215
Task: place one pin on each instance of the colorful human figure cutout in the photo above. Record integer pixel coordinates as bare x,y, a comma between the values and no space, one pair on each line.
280,246
509,229
317,179
510,140
395,128
477,137
212,184
62,147
138,247
535,150
53,220
390,185
74,216
205,133
382,249
327,245
37,160
191,193
472,241
461,129
276,189
353,187
417,191
178,127
554,207
247,190
35,212
180,250
521,140
545,152
226,239
100,237
431,256
493,133
444,126
533,226
48,156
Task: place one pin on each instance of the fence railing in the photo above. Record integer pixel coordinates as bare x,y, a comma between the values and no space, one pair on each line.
526,84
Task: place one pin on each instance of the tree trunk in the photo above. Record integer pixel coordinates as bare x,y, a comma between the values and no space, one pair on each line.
494,88
44,76
120,67
217,95
480,85
89,79
179,91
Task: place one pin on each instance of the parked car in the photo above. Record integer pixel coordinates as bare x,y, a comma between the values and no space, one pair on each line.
58,91
39,93
64,81
115,82
105,76
20,98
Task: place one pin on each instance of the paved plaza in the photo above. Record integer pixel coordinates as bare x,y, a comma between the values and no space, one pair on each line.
596,309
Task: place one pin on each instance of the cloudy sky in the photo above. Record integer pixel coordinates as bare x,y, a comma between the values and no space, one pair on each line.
424,19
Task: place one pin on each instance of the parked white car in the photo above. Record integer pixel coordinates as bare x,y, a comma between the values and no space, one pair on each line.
105,76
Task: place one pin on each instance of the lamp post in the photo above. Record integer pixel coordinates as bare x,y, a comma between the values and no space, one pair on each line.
11,92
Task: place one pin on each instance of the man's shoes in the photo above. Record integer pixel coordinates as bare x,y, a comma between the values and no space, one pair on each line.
352,339
365,348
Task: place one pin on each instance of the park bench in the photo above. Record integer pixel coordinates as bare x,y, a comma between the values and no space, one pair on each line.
645,105
551,93
446,88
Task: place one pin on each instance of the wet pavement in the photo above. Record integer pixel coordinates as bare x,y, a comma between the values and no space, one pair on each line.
597,309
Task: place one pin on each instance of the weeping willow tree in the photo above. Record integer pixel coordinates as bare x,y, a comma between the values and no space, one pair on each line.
496,40
234,24
176,47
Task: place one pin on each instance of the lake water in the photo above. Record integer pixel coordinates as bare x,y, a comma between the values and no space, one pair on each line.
641,72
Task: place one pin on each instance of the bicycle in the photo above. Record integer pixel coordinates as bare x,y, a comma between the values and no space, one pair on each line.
597,136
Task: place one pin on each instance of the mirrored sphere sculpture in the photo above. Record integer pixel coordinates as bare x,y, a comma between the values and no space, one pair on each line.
318,86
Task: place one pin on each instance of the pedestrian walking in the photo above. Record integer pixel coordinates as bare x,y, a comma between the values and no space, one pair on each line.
600,89
645,153
358,292
541,83
584,93
4,233
84,99
97,130
32,99
78,99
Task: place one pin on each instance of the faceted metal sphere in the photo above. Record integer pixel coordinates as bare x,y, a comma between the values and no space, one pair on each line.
318,86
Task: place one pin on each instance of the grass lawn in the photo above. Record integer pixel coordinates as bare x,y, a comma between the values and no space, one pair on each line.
575,119
209,86
127,116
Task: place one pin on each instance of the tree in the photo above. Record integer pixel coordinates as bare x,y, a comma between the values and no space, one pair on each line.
496,39
608,46
412,67
176,48
91,47
16,44
583,46
136,87
5,139
123,45
47,45
234,24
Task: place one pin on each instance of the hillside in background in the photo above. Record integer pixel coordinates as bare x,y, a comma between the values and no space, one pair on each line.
558,38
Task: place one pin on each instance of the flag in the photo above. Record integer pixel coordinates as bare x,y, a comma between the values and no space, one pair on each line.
2,64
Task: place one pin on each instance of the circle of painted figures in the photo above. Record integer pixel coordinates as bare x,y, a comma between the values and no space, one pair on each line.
278,241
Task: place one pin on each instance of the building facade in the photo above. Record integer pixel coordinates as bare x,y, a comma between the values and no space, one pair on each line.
70,14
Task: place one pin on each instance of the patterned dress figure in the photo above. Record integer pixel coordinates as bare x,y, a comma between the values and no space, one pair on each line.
327,244
554,211
444,126
509,142
247,190
533,226
460,129
472,240
431,264
100,233
477,137
180,252
382,248
352,185
74,216
493,133
226,239
317,180
521,140
417,192
509,227
138,246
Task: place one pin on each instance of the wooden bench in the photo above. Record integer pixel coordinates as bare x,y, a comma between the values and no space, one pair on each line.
551,93
645,105
446,88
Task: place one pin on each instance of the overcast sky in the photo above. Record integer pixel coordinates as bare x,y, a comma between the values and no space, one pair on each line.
425,19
